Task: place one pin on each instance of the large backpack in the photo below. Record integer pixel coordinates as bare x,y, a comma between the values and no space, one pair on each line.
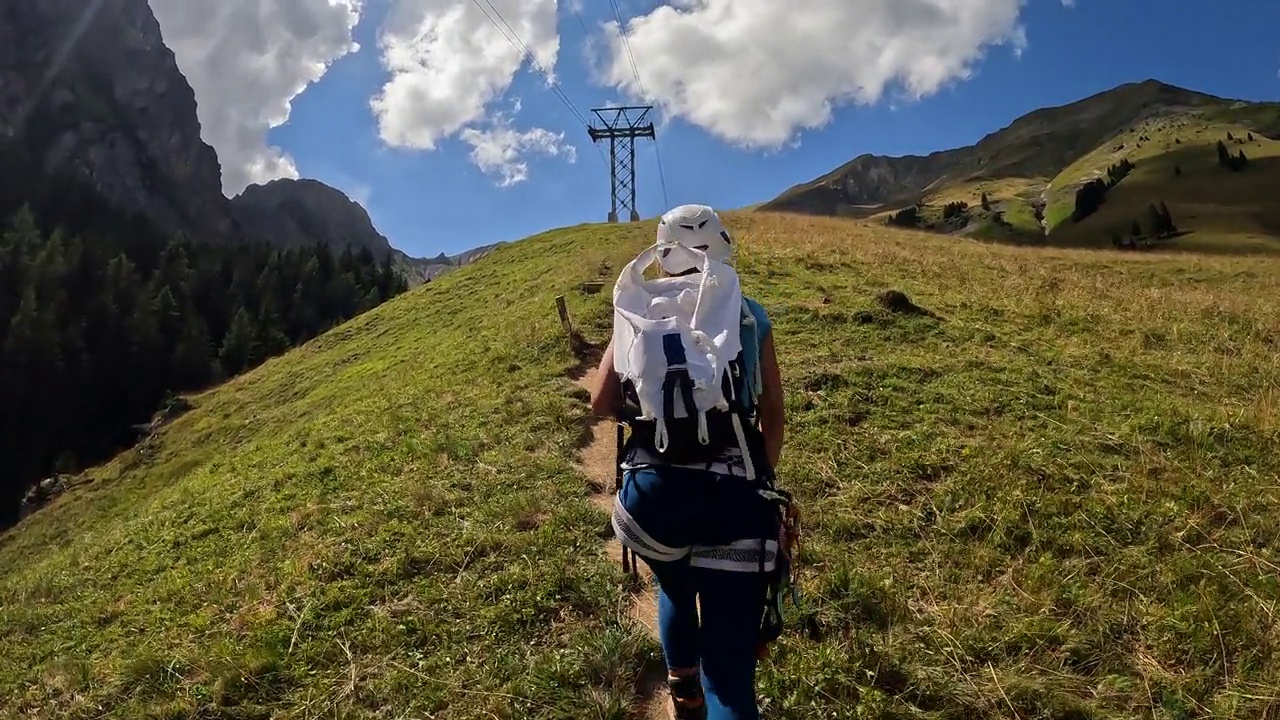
678,352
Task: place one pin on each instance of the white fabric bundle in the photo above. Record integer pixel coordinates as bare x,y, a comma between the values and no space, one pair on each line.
704,310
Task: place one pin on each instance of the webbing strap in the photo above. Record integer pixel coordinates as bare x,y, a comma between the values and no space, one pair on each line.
677,378
628,561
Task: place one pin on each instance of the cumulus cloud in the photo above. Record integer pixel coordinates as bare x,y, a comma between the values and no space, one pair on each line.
246,61
500,149
448,61
756,72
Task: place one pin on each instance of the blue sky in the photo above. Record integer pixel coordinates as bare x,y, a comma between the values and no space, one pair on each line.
427,202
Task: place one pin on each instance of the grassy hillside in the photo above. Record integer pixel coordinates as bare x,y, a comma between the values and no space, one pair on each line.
1031,169
1055,497
1214,206
386,518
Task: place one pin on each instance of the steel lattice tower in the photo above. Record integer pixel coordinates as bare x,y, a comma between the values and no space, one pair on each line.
621,126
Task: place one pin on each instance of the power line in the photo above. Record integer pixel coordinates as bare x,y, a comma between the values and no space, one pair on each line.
635,70
518,44
574,7
626,44
662,175
512,37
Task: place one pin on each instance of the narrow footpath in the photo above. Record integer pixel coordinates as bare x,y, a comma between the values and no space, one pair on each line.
597,465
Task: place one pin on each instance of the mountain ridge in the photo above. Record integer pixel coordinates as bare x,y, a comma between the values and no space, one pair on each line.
1036,145
98,128
92,102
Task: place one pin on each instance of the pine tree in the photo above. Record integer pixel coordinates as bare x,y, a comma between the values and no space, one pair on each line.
175,270
95,330
1135,230
1155,222
168,315
341,297
147,359
365,267
191,363
31,348
269,331
306,304
1089,198
347,260
31,368
986,202
240,346
369,301
906,217
1169,226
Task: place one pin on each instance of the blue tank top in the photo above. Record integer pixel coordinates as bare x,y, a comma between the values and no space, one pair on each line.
753,335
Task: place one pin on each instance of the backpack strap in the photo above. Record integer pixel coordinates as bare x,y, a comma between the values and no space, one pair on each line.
628,559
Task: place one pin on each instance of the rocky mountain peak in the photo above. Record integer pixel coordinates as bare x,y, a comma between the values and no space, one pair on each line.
90,94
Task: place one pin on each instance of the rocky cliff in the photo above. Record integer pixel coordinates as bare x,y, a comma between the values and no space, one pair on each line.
90,96
425,269
303,212
99,132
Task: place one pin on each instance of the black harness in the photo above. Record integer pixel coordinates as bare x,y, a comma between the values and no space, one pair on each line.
684,447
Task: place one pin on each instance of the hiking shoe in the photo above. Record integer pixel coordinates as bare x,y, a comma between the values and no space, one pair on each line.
687,702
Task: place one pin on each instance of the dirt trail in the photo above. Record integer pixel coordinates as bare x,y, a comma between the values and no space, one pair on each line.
597,464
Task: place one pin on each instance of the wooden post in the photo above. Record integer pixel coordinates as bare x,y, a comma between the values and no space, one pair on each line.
563,311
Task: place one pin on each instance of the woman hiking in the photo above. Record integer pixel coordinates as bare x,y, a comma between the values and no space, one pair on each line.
690,501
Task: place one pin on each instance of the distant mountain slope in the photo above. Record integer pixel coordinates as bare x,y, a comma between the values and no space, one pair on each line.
288,213
92,105
1031,169
432,268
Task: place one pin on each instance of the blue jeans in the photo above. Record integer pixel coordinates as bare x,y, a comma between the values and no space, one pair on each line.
704,536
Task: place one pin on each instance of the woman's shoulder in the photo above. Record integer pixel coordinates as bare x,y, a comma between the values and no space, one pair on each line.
759,313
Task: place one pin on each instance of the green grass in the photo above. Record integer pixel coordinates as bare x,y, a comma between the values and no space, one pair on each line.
386,520
1021,214
1220,210
1059,500
1012,197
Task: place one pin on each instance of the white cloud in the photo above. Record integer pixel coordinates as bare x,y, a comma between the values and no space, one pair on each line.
501,149
246,61
448,61
755,72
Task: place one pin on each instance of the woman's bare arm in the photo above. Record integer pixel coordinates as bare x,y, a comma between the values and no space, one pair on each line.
770,401
606,390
